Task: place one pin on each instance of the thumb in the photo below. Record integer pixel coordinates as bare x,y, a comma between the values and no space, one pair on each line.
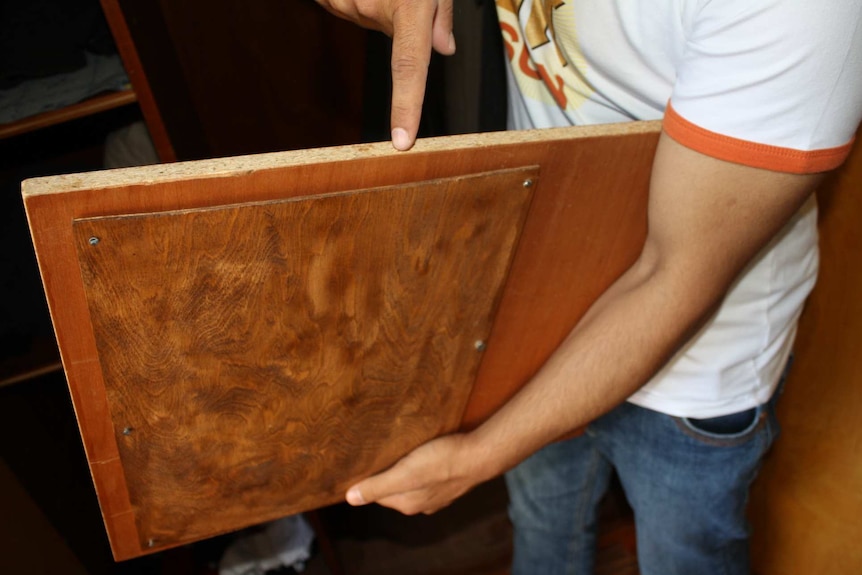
373,489
394,481
443,39
355,497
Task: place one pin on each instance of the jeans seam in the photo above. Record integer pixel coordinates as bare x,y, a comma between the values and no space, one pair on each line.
586,502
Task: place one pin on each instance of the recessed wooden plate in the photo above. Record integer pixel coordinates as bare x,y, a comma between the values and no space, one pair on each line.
260,358
192,320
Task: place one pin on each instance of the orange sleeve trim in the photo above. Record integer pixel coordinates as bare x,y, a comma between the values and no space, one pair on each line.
750,153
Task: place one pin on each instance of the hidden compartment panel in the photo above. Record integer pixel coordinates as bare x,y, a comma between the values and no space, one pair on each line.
260,358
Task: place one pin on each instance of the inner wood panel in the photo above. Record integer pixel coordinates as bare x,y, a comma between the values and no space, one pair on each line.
806,506
586,224
259,359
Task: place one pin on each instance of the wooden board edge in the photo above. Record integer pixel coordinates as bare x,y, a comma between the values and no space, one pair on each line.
227,167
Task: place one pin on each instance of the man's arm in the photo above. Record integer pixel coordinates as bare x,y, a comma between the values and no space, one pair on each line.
707,219
415,26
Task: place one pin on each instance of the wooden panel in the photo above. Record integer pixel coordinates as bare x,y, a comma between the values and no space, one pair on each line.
259,358
807,504
244,77
586,224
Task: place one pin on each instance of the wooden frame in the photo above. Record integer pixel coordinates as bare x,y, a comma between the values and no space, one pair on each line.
141,86
586,224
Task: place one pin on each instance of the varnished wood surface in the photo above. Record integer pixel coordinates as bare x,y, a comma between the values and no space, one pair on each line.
586,224
258,359
807,504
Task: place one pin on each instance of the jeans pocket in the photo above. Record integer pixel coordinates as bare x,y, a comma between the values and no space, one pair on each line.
726,430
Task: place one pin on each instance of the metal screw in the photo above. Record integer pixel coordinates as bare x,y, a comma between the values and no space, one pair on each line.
479,345
128,430
94,241
151,543
528,183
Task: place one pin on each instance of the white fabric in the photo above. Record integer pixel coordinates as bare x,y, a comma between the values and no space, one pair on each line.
101,74
782,73
285,542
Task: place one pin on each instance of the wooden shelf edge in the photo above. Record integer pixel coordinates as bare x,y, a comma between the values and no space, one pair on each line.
32,374
94,105
40,358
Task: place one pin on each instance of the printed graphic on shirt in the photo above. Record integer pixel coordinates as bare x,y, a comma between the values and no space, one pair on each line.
542,47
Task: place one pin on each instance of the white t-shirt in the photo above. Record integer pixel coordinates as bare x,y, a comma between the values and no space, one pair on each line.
774,84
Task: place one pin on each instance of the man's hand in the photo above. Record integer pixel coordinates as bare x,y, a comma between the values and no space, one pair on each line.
426,480
415,26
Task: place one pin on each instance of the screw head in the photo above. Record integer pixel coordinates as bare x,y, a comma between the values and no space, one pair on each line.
528,183
151,543
128,430
94,241
479,345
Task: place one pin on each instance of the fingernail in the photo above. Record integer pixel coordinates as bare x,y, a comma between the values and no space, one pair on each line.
400,139
354,497
451,42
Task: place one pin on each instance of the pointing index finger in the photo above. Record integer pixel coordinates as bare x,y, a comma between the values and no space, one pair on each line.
412,22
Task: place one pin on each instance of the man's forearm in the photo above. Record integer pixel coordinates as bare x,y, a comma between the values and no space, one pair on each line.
627,335
702,234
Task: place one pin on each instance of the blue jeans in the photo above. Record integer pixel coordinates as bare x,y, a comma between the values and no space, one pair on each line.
687,481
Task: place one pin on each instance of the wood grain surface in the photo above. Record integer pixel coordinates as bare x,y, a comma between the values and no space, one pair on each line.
586,224
259,359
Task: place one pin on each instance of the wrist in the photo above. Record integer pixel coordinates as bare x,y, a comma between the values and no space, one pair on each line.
478,460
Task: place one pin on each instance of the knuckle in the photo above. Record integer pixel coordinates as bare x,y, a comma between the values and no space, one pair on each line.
407,113
369,9
405,107
408,65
